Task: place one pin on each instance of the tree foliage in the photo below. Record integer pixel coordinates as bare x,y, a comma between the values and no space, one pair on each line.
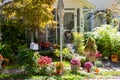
34,13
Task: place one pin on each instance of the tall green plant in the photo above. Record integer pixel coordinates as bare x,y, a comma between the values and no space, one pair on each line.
25,56
79,42
6,51
106,39
12,35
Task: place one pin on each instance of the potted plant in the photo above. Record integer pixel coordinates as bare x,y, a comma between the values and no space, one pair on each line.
75,64
116,45
59,68
88,66
114,58
90,49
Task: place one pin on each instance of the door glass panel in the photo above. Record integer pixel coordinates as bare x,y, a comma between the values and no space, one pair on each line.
69,21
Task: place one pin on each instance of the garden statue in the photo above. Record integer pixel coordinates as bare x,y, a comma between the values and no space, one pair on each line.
90,49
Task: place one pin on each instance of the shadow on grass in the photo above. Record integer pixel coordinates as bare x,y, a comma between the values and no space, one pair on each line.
14,77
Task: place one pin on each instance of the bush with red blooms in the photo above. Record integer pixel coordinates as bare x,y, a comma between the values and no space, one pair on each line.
44,60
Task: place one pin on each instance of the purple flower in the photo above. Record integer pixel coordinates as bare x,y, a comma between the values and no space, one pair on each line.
75,62
88,65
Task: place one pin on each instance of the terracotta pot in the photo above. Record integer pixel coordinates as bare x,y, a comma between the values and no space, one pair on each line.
59,72
114,58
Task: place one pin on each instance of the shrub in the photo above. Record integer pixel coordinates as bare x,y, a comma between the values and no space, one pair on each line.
44,60
25,56
79,42
45,66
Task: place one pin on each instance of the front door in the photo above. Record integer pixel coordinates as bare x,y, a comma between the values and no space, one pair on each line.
69,25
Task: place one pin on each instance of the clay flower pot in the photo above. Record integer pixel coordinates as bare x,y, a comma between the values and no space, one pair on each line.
114,58
59,72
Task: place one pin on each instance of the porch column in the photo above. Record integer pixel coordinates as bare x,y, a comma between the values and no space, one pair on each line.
46,29
81,20
56,26
75,20
91,21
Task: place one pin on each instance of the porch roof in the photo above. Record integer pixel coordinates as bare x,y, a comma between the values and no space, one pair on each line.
76,4
88,4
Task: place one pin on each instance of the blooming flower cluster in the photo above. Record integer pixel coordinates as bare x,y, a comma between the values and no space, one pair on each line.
88,65
44,60
75,61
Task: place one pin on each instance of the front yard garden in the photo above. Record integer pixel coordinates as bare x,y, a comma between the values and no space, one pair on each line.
90,58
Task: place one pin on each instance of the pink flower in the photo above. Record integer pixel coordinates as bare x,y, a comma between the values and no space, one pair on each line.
88,65
44,60
98,54
75,62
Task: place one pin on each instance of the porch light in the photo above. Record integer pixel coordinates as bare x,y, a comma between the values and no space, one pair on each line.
60,11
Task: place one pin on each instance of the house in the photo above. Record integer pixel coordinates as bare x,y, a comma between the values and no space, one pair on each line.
73,17
102,4
97,16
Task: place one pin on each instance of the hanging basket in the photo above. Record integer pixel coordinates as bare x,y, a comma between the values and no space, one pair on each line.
59,72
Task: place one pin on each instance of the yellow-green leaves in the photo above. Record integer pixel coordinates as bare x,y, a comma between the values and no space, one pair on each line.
35,13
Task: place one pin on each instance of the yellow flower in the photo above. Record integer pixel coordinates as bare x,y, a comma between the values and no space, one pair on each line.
59,66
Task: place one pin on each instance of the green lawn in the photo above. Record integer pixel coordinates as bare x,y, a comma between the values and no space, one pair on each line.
67,75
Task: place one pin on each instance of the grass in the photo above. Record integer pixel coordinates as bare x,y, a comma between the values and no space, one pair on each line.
68,75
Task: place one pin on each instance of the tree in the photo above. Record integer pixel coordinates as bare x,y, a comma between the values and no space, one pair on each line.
35,13
18,15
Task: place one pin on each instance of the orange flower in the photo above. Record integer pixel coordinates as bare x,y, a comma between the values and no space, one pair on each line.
96,70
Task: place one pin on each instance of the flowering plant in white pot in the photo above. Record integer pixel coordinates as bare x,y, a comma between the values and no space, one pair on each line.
75,64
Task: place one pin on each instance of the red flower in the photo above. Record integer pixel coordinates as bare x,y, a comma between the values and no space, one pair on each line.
44,60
